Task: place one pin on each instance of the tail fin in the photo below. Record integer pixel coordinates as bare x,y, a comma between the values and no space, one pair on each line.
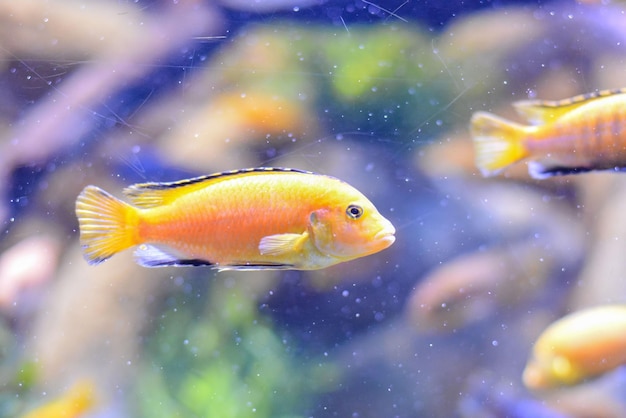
497,142
107,225
81,397
76,401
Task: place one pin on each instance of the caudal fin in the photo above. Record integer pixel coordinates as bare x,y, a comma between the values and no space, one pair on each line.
107,225
497,142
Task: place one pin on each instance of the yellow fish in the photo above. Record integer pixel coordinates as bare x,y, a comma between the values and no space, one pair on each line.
73,404
580,346
583,133
250,219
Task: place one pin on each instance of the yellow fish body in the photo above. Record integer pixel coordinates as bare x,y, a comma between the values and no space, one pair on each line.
73,404
583,133
580,346
263,218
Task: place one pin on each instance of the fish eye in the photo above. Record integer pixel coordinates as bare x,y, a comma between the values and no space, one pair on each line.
354,211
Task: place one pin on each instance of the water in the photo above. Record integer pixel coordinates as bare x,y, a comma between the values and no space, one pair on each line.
439,325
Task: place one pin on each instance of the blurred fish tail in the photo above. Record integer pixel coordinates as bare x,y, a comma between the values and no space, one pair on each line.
498,142
78,400
107,225
82,396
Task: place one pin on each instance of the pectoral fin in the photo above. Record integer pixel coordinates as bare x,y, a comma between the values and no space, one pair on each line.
282,244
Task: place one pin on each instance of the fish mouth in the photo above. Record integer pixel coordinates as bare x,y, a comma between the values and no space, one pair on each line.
386,235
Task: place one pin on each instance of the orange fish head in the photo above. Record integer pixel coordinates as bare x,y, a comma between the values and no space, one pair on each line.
550,371
351,230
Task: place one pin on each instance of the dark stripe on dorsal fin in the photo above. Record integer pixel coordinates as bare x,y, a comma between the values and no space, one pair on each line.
579,98
147,195
538,112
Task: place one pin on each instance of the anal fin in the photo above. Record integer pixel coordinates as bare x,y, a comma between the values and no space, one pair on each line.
151,256
538,170
254,266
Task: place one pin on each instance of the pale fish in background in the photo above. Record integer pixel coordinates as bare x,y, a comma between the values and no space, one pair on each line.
251,219
512,271
248,102
226,129
583,133
577,347
474,286
27,264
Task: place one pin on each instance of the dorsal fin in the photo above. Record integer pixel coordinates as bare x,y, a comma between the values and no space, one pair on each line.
148,195
538,112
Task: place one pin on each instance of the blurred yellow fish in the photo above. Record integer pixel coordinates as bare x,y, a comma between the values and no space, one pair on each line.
73,404
579,346
260,218
583,133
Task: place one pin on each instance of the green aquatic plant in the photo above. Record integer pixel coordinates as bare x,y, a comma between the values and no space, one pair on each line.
369,58
18,375
225,360
388,79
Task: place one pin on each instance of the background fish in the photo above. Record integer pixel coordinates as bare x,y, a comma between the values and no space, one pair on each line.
579,346
583,133
76,402
265,218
